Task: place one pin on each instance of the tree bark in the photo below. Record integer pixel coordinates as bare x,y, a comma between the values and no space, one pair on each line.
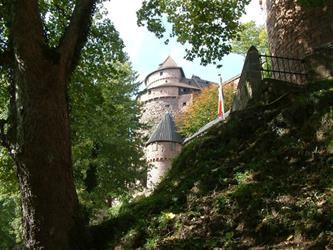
42,147
50,206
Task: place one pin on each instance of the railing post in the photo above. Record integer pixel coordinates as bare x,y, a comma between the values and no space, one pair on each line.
249,85
254,73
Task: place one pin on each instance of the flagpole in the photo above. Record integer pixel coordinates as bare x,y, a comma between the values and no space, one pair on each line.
220,111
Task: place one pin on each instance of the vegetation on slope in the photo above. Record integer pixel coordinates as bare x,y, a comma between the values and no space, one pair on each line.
263,179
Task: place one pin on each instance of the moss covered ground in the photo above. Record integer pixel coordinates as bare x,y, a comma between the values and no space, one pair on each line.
262,180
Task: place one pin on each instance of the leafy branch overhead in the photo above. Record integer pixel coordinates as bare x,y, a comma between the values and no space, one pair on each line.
251,35
207,26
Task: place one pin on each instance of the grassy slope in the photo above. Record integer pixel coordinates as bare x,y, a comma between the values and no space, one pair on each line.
265,178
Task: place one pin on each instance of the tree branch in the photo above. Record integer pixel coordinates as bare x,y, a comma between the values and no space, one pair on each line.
27,29
76,34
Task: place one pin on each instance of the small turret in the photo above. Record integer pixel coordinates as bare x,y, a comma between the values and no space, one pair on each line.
161,148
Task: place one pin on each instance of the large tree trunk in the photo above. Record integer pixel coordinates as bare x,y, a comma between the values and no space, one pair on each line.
50,206
41,142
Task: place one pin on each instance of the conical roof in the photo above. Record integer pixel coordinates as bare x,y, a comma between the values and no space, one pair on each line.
168,63
165,131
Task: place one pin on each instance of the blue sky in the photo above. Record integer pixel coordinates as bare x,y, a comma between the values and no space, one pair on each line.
146,51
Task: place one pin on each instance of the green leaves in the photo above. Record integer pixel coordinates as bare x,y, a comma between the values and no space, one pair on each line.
10,220
250,34
207,26
107,151
203,109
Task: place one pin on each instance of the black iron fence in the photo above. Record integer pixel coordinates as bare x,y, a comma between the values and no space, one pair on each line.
283,68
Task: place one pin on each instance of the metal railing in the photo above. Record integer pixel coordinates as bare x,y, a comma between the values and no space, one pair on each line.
283,68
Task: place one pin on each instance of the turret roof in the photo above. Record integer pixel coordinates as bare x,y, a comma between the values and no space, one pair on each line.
165,131
168,63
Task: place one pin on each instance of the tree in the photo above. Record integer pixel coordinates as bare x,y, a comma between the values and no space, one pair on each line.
207,26
107,152
105,120
250,34
203,109
37,132
102,114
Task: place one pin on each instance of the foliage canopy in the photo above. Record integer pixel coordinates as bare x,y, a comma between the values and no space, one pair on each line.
207,26
251,34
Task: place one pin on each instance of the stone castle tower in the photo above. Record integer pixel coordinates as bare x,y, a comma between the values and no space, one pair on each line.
167,89
295,30
161,148
168,92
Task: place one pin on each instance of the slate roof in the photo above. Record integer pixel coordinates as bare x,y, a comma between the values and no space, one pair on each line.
165,131
168,63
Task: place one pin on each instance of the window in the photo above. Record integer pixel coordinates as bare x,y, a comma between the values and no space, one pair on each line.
184,104
149,92
161,73
167,105
155,147
173,146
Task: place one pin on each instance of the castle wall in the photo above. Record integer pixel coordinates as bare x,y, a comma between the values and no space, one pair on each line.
184,101
163,76
159,156
159,92
155,109
294,31
156,172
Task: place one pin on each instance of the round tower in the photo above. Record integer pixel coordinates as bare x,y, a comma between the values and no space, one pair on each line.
295,30
167,89
161,148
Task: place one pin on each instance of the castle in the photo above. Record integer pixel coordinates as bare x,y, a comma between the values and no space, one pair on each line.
167,93
294,31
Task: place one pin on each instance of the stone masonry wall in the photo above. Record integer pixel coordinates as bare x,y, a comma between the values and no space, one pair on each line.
155,109
161,76
159,92
294,31
159,156
161,151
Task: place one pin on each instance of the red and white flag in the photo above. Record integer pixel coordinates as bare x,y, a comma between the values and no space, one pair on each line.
220,110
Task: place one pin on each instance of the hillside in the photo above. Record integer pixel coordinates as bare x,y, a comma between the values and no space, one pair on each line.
263,179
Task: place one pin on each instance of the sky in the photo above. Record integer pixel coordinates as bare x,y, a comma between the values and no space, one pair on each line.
146,51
